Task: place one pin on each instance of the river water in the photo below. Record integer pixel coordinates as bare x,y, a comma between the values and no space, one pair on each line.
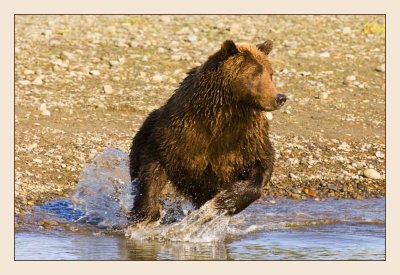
92,225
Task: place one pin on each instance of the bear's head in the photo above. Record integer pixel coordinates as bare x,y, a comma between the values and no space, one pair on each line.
247,71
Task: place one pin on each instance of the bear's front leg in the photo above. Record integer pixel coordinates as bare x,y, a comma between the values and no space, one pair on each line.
152,179
242,193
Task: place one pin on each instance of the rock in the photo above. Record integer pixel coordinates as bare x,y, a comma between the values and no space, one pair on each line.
290,44
323,95
372,174
108,89
28,72
37,81
192,38
37,161
310,192
234,28
379,154
24,82
346,30
94,72
47,33
269,115
176,57
67,55
54,43
114,63
381,68
46,113
324,55
157,77
351,78
43,107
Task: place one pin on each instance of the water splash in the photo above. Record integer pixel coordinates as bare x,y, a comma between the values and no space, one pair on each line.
206,224
105,195
104,192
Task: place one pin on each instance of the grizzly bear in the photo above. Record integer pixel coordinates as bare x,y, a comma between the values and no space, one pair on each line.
210,139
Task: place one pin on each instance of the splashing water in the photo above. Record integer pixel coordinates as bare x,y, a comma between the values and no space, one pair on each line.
104,192
105,195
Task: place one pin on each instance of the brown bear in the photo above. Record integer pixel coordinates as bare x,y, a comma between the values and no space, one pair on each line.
210,139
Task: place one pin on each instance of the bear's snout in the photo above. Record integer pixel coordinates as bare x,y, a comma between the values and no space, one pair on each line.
280,100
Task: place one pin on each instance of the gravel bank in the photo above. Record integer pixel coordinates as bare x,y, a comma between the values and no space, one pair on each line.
84,83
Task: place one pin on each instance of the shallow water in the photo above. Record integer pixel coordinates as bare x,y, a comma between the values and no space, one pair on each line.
92,225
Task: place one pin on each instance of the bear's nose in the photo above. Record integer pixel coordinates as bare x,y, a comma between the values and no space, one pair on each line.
280,99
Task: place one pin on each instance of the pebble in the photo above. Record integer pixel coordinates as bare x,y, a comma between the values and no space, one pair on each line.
54,43
192,38
234,28
324,55
24,82
381,68
94,72
37,81
28,72
379,154
43,107
67,55
324,95
157,77
114,63
46,113
372,174
346,30
108,89
269,115
351,78
290,44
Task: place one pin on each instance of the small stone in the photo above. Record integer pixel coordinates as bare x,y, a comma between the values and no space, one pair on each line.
269,115
54,43
324,55
310,192
235,28
37,160
46,113
107,89
157,78
381,68
94,72
116,78
379,154
37,81
42,107
47,33
372,174
24,82
114,63
28,72
67,55
346,30
176,57
290,44
324,95
192,38
351,78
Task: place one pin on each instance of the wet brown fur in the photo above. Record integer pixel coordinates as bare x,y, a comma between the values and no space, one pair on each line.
210,139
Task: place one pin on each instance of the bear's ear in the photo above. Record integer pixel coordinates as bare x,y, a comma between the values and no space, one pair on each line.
265,47
228,48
